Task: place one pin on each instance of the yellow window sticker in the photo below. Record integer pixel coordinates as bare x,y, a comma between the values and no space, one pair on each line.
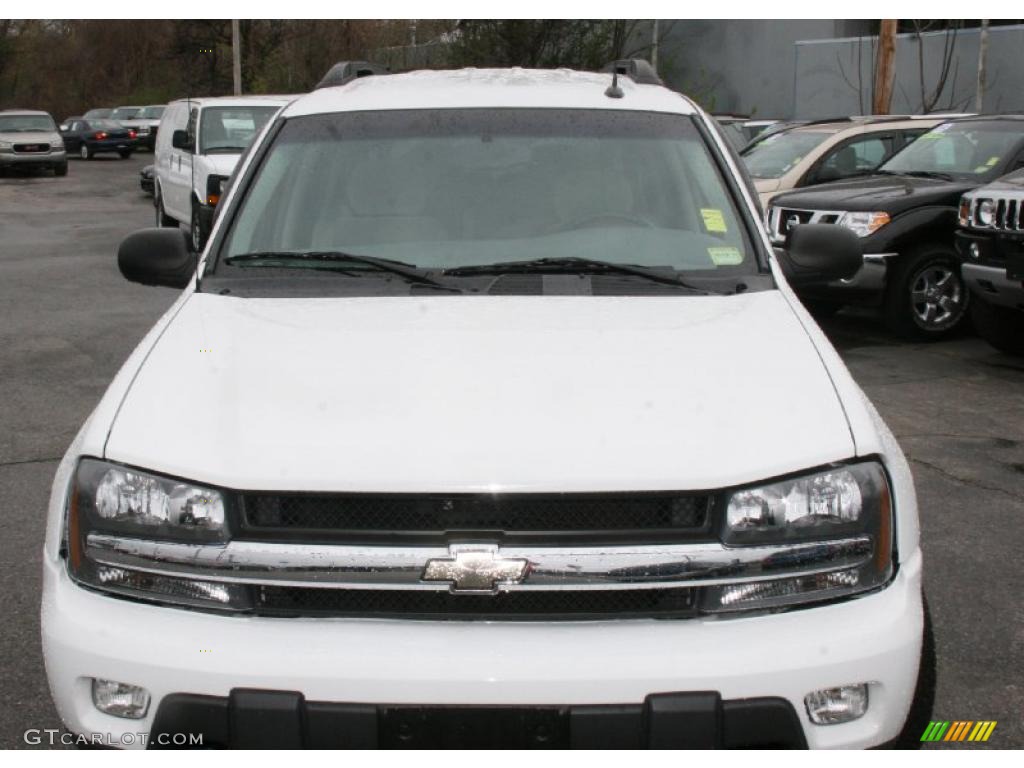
992,161
714,221
725,257
931,135
981,169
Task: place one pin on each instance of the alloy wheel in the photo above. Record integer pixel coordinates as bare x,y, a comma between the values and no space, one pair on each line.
937,297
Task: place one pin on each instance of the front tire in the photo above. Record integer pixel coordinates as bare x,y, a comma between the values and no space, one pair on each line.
125,154
926,298
1001,327
84,152
61,170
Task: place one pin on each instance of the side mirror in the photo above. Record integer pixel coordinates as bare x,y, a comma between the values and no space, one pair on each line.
815,254
179,140
158,256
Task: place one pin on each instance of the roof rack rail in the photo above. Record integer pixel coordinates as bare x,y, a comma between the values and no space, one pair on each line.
637,70
347,71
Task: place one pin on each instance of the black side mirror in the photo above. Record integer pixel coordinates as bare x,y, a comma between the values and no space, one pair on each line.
820,253
158,256
179,140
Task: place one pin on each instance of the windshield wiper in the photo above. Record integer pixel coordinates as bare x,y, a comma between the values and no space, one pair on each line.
576,265
287,259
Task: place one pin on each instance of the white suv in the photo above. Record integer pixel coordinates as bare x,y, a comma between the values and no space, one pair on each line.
196,151
488,418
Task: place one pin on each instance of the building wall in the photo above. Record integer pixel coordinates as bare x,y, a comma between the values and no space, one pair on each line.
739,66
833,77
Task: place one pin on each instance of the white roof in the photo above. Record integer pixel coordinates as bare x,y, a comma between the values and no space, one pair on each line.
494,88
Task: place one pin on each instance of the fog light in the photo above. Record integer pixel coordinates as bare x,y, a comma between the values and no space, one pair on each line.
831,706
120,699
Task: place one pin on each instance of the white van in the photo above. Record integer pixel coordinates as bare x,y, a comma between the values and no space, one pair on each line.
196,151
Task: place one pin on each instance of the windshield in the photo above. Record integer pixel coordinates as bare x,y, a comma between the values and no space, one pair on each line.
444,189
230,129
775,155
150,113
26,123
98,113
964,150
124,113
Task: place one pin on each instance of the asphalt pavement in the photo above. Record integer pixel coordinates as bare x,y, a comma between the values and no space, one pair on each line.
69,320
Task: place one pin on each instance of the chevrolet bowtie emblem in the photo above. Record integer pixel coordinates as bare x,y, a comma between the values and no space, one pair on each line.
478,569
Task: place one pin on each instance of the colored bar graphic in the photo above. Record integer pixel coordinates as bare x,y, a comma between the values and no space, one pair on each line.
958,730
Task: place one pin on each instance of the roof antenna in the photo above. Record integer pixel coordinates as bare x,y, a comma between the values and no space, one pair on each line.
613,91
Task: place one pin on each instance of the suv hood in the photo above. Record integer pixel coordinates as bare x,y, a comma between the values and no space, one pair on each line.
892,194
482,393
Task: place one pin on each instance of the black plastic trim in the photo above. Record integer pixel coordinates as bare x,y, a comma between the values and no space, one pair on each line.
260,719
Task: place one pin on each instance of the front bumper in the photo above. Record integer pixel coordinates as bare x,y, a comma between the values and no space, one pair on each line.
991,285
29,159
874,639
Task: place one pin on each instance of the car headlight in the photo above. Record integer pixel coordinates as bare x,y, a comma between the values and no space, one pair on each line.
851,503
5,145
985,213
964,212
112,501
864,223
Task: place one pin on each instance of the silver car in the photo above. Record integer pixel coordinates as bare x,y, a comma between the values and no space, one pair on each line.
29,139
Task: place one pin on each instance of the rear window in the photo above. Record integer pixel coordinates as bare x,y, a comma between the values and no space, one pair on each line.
775,156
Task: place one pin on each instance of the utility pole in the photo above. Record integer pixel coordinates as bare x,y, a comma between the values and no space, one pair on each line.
654,46
979,97
885,67
236,56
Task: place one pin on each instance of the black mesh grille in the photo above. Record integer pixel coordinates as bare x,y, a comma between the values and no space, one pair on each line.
562,517
519,606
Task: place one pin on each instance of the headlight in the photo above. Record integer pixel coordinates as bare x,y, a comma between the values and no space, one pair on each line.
109,500
864,223
985,213
850,503
5,145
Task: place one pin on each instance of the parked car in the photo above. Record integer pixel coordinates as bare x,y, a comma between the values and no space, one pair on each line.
98,114
146,123
88,138
990,242
121,114
29,140
196,151
905,215
480,373
146,179
828,150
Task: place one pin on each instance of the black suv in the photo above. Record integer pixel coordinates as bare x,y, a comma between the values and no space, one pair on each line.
906,214
991,244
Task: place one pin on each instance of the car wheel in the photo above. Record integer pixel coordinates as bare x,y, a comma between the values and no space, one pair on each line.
125,154
84,152
162,219
60,170
198,233
1001,327
924,691
926,298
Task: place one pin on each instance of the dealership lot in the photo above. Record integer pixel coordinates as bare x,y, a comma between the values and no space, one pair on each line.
70,320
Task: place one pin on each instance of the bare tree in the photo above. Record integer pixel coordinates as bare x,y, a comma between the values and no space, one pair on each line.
979,98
